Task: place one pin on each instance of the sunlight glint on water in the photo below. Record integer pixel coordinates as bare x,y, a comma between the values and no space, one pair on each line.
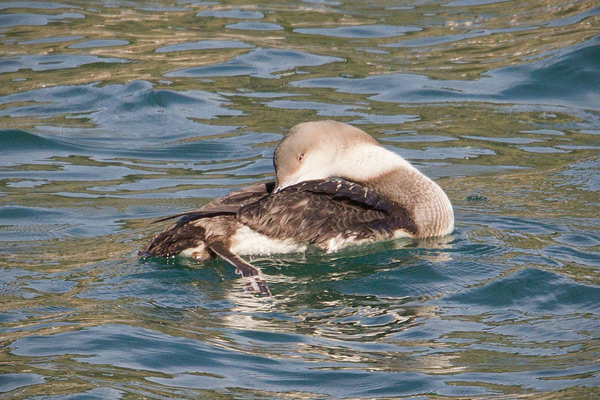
113,114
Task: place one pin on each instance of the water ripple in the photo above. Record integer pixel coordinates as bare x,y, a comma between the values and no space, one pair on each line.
533,290
15,20
52,62
560,81
258,63
117,113
138,106
203,45
361,31
236,14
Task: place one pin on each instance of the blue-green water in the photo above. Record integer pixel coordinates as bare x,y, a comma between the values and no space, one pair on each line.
115,113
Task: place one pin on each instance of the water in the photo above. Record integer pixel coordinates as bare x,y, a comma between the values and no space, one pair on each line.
115,113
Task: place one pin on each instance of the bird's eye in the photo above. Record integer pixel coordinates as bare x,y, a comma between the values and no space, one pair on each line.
300,157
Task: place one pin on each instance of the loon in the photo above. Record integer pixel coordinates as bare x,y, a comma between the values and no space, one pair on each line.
335,186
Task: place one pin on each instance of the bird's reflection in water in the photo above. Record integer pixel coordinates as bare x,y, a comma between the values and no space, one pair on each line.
317,291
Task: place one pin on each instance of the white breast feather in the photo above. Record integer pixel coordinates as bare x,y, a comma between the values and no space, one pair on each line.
246,241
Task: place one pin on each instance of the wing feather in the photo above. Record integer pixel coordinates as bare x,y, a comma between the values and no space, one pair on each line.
227,205
317,211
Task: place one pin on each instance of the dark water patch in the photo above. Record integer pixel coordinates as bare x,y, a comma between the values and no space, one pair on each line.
529,381
506,306
476,197
39,5
260,95
56,39
578,175
370,118
181,286
13,381
574,19
532,290
33,318
580,239
323,2
255,26
573,66
226,149
204,192
399,269
341,110
536,334
145,185
136,110
11,285
203,365
427,273
70,172
443,39
16,140
508,140
572,148
56,285
260,63
508,224
569,254
99,43
444,153
413,281
18,213
467,3
374,319
550,132
529,258
566,78
322,109
158,8
517,329
19,223
12,20
53,62
244,174
541,150
204,45
373,51
360,31
102,142
437,170
109,344
234,14
416,138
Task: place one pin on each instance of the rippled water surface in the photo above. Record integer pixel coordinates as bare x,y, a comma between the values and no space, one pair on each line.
115,113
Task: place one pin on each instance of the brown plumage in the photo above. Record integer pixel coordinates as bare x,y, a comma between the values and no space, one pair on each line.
335,185
190,230
315,212
311,212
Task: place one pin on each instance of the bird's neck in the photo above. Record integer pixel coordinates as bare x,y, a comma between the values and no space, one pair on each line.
397,180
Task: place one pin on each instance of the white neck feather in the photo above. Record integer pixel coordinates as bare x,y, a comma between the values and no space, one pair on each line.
367,161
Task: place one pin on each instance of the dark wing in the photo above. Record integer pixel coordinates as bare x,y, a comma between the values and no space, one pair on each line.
317,211
193,229
185,234
229,204
175,239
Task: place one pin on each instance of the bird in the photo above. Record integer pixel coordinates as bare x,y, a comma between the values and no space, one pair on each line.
335,186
